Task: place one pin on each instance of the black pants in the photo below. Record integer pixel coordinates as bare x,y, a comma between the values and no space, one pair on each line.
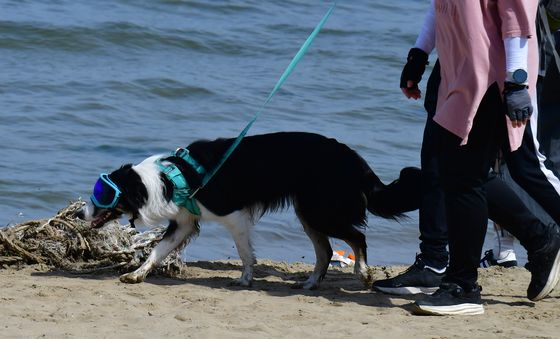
432,223
540,180
471,194
549,111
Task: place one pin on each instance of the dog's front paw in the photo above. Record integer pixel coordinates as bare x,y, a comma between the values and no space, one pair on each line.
131,278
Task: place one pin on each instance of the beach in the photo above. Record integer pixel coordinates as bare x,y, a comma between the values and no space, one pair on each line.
202,303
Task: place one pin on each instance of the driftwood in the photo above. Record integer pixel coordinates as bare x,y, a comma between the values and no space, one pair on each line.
68,243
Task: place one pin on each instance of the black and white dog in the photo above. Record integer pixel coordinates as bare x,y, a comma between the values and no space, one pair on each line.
329,185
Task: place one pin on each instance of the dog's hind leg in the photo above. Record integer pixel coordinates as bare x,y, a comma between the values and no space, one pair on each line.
323,253
357,241
239,224
176,234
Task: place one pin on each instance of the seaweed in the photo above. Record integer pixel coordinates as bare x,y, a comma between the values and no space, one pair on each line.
68,243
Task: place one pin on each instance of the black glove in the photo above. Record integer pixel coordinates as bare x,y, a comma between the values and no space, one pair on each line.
414,68
518,102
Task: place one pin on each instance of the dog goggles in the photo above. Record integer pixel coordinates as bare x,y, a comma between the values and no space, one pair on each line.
105,192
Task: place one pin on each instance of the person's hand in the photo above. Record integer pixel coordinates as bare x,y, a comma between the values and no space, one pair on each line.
412,73
518,103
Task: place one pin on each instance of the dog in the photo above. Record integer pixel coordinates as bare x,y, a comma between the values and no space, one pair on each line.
329,185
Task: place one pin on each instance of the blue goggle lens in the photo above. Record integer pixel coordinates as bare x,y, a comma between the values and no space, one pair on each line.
105,192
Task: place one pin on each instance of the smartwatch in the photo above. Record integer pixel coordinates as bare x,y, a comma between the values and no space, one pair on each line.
519,77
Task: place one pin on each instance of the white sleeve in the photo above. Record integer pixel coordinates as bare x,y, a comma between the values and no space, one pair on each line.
517,51
426,40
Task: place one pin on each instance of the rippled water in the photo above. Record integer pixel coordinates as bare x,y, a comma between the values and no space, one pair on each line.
86,86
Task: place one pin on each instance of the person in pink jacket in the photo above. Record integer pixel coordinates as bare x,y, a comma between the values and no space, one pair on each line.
488,55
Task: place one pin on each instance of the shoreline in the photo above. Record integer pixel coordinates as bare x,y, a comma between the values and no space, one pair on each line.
38,302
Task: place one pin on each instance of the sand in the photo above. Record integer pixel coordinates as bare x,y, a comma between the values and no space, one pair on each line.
202,303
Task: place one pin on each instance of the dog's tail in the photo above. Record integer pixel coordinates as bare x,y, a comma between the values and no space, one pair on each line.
400,196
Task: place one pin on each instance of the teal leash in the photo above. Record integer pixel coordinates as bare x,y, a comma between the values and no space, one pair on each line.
299,55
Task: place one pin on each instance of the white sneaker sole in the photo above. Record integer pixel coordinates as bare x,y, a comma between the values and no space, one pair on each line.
552,281
406,290
505,256
461,309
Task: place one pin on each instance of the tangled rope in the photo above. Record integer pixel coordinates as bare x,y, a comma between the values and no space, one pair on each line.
68,243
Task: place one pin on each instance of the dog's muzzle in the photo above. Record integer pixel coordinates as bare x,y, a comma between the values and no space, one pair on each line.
97,216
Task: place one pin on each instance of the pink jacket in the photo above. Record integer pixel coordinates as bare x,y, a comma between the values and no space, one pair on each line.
469,41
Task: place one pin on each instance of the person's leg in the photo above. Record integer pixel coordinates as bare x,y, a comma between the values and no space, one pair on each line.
425,275
535,168
534,173
432,223
464,171
549,106
463,176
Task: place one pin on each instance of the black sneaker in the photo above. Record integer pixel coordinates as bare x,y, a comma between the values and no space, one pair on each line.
544,266
416,279
450,299
490,260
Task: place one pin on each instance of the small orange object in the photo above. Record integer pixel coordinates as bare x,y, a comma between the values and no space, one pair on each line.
351,256
340,252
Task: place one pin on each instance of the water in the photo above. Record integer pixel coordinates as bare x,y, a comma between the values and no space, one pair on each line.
86,86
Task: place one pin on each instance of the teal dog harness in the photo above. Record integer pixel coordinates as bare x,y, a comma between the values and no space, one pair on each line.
183,194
